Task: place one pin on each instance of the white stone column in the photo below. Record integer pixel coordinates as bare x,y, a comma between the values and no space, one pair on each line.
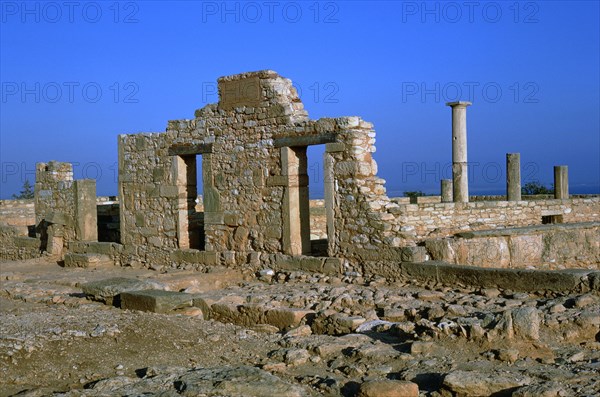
460,174
561,182
513,176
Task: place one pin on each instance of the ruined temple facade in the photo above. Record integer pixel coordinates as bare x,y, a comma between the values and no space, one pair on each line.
252,146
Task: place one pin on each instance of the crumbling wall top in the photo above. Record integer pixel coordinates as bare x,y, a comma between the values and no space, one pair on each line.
262,89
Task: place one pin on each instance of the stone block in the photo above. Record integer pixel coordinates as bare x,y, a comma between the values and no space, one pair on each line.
388,388
335,147
238,93
156,301
214,218
109,290
277,180
58,218
414,254
87,260
306,263
283,318
333,266
169,191
231,219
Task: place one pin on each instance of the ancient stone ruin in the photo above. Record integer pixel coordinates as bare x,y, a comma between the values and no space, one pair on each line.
256,290
256,212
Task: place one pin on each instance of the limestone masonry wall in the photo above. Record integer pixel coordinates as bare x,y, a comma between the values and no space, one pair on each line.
445,219
17,212
15,245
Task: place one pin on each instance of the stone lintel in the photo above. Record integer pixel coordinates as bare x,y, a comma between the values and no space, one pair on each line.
182,149
308,140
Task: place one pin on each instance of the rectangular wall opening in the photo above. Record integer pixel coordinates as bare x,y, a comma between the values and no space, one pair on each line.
190,225
308,214
316,193
109,223
551,219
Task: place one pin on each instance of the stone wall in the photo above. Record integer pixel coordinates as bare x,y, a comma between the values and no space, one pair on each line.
17,212
252,145
16,245
445,219
65,210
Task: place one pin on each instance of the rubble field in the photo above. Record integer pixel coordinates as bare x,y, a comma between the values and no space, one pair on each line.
221,332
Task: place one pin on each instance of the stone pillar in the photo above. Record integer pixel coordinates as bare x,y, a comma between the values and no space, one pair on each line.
460,174
329,187
86,213
561,182
513,176
296,208
446,190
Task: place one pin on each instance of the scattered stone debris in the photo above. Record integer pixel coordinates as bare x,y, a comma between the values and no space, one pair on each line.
308,336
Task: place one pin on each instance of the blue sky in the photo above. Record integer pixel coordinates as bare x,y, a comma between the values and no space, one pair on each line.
75,75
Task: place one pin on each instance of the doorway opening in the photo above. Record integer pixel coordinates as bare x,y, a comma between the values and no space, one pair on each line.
316,194
307,220
190,222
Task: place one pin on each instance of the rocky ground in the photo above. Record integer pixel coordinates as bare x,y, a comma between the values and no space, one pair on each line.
349,336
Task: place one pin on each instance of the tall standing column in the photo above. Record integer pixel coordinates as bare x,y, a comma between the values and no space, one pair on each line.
446,190
460,174
561,182
513,176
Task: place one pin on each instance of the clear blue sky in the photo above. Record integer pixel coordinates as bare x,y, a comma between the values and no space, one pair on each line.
75,76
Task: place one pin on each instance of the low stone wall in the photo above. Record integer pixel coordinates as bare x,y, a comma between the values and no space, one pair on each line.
17,212
16,245
557,246
445,219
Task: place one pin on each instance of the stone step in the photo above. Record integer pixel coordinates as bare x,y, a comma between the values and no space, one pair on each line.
87,260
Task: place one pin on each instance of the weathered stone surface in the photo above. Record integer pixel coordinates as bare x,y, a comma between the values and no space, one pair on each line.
550,389
87,260
388,388
240,381
156,301
514,279
526,323
286,317
472,383
106,290
333,323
